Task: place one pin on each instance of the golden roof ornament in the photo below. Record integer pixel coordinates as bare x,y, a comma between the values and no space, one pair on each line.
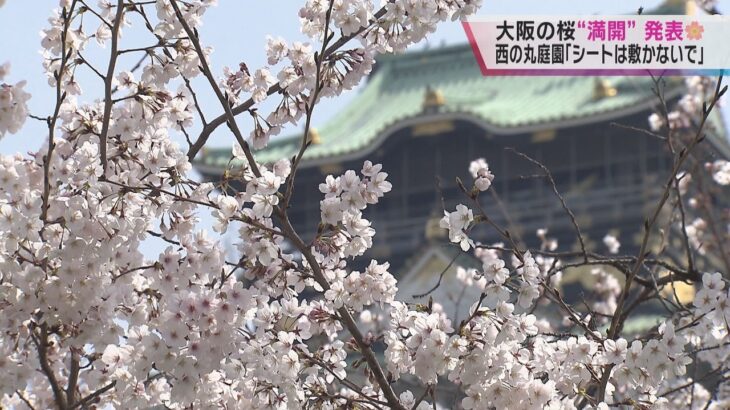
313,136
434,231
690,8
602,88
433,98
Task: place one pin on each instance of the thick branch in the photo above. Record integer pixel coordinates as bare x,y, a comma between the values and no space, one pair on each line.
41,342
73,377
108,79
345,316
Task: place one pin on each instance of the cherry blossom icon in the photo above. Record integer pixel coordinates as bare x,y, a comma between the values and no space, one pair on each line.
694,30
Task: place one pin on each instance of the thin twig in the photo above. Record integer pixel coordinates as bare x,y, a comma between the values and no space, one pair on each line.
441,276
637,129
60,97
246,105
554,187
25,400
88,399
229,115
685,236
319,60
617,321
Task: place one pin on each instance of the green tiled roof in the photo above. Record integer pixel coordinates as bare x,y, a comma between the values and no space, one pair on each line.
395,91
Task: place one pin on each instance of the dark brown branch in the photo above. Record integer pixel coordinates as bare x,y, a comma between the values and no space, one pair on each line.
345,382
344,315
319,60
229,115
195,101
91,397
108,80
25,400
429,389
441,276
60,97
73,377
94,12
155,265
637,129
41,342
685,237
248,104
649,224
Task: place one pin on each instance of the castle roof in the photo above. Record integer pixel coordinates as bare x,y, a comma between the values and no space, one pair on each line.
446,83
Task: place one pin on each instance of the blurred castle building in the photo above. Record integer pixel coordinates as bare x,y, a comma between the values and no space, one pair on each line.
426,114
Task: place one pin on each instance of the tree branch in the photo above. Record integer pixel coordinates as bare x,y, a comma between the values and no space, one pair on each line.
108,79
41,342
229,116
246,105
617,321
345,316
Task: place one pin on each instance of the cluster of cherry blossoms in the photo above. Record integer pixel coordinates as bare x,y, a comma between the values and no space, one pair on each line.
699,89
483,177
13,104
294,71
459,222
720,171
89,319
510,360
345,197
607,290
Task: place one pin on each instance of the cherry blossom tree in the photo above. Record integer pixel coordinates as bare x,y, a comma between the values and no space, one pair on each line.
88,320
